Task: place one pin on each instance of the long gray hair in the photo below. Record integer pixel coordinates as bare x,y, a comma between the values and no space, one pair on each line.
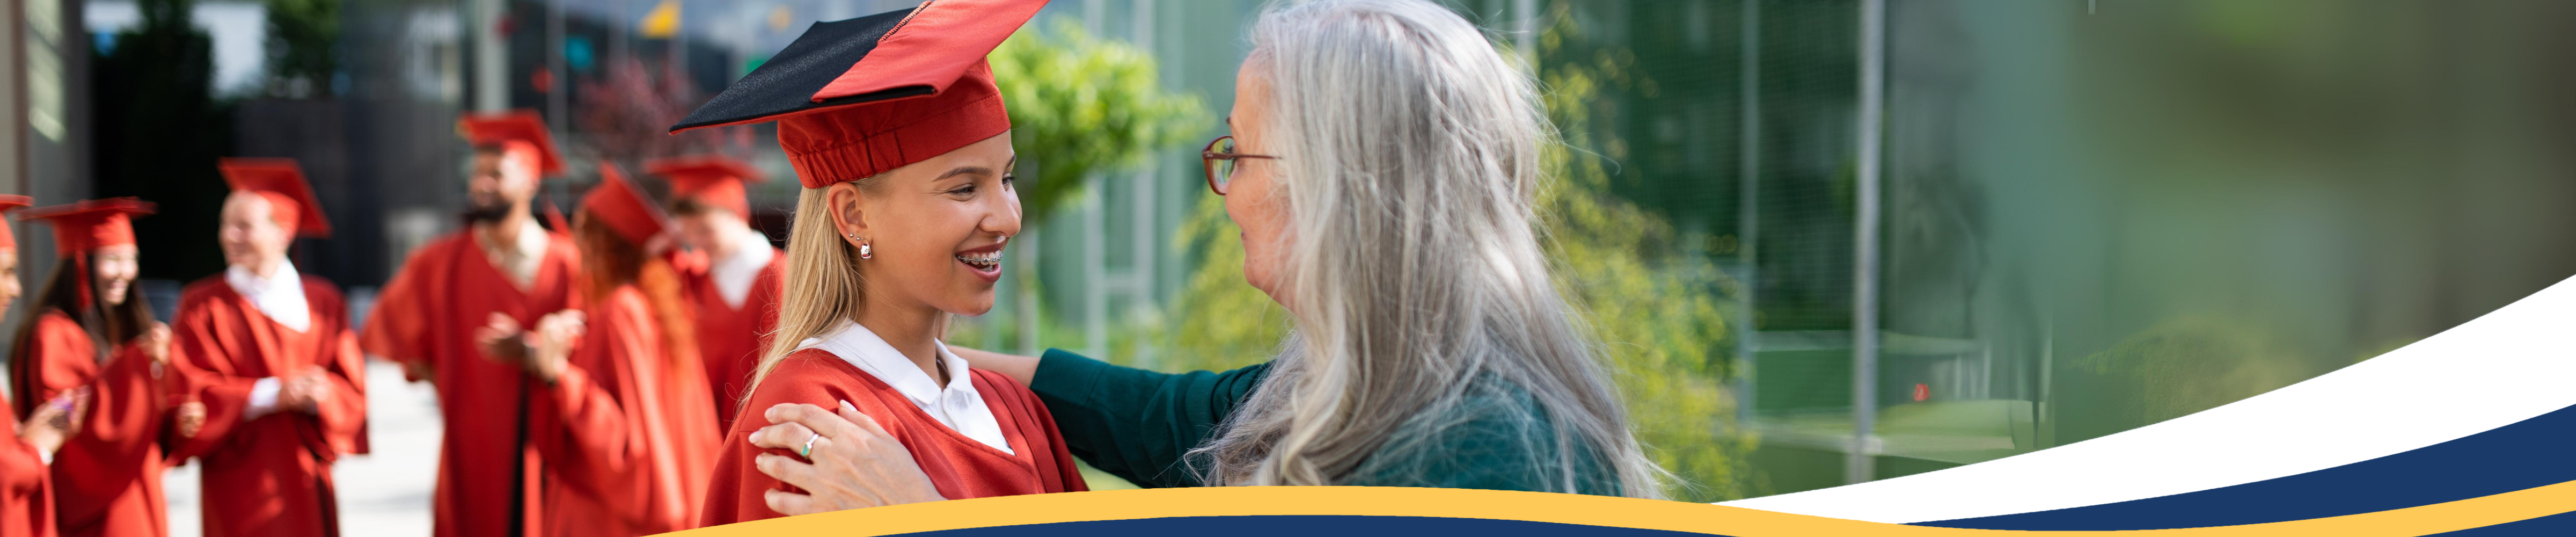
1410,151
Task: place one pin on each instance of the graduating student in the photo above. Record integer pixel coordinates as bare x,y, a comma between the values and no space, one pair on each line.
621,414
26,488
904,150
504,263
731,275
93,333
270,354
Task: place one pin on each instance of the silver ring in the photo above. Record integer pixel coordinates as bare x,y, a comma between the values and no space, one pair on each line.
808,451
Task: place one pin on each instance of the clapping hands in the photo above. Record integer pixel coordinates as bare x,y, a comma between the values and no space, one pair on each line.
543,352
305,392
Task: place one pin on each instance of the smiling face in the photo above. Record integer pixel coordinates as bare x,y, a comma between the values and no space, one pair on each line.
503,181
251,239
935,229
709,229
115,267
1252,198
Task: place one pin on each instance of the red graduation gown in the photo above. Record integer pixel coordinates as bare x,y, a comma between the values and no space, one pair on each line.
26,489
959,466
270,475
730,339
626,432
107,479
427,315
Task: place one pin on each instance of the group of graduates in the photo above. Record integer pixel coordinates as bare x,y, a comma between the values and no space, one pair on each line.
586,367
590,368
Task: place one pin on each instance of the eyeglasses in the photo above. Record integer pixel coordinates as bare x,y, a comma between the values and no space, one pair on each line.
1220,158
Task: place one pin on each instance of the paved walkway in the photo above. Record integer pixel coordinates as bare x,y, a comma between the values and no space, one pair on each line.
383,493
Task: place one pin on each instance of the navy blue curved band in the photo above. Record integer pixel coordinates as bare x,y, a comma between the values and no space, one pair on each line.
2526,454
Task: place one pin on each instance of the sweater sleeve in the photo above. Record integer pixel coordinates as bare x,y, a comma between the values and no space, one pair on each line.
1138,424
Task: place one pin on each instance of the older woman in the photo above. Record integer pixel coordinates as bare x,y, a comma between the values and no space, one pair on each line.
1382,167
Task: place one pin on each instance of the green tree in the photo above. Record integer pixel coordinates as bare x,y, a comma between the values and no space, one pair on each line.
1659,314
1082,105
303,37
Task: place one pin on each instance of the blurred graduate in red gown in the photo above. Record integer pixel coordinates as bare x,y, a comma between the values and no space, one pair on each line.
622,415
270,354
26,489
426,317
92,332
730,272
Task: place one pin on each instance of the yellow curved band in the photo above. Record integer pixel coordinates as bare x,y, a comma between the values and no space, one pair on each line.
1567,509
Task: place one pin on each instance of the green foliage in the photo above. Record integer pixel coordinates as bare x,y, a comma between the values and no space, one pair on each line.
1081,105
1223,323
2187,365
1661,315
302,35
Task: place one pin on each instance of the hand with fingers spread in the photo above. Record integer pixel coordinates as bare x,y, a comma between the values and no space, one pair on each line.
850,462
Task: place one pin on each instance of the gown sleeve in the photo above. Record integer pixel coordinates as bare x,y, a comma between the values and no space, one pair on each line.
594,443
344,415
22,470
124,423
399,329
202,372
1137,424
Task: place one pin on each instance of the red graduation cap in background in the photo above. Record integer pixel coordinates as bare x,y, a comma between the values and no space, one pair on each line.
290,199
8,202
711,179
855,98
623,208
91,224
506,129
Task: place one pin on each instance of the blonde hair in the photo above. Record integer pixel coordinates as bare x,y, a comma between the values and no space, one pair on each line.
1424,301
822,279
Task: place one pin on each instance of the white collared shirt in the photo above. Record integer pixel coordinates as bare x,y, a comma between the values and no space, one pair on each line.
280,296
957,405
518,261
733,274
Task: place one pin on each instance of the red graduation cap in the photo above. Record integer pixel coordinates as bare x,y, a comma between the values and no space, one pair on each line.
855,98
711,179
91,224
9,237
513,128
290,200
617,203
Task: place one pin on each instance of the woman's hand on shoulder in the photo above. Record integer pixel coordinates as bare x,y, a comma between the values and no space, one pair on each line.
850,462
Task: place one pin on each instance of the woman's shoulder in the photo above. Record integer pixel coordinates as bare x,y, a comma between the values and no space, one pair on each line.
1499,438
818,377
54,318
1002,387
54,327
